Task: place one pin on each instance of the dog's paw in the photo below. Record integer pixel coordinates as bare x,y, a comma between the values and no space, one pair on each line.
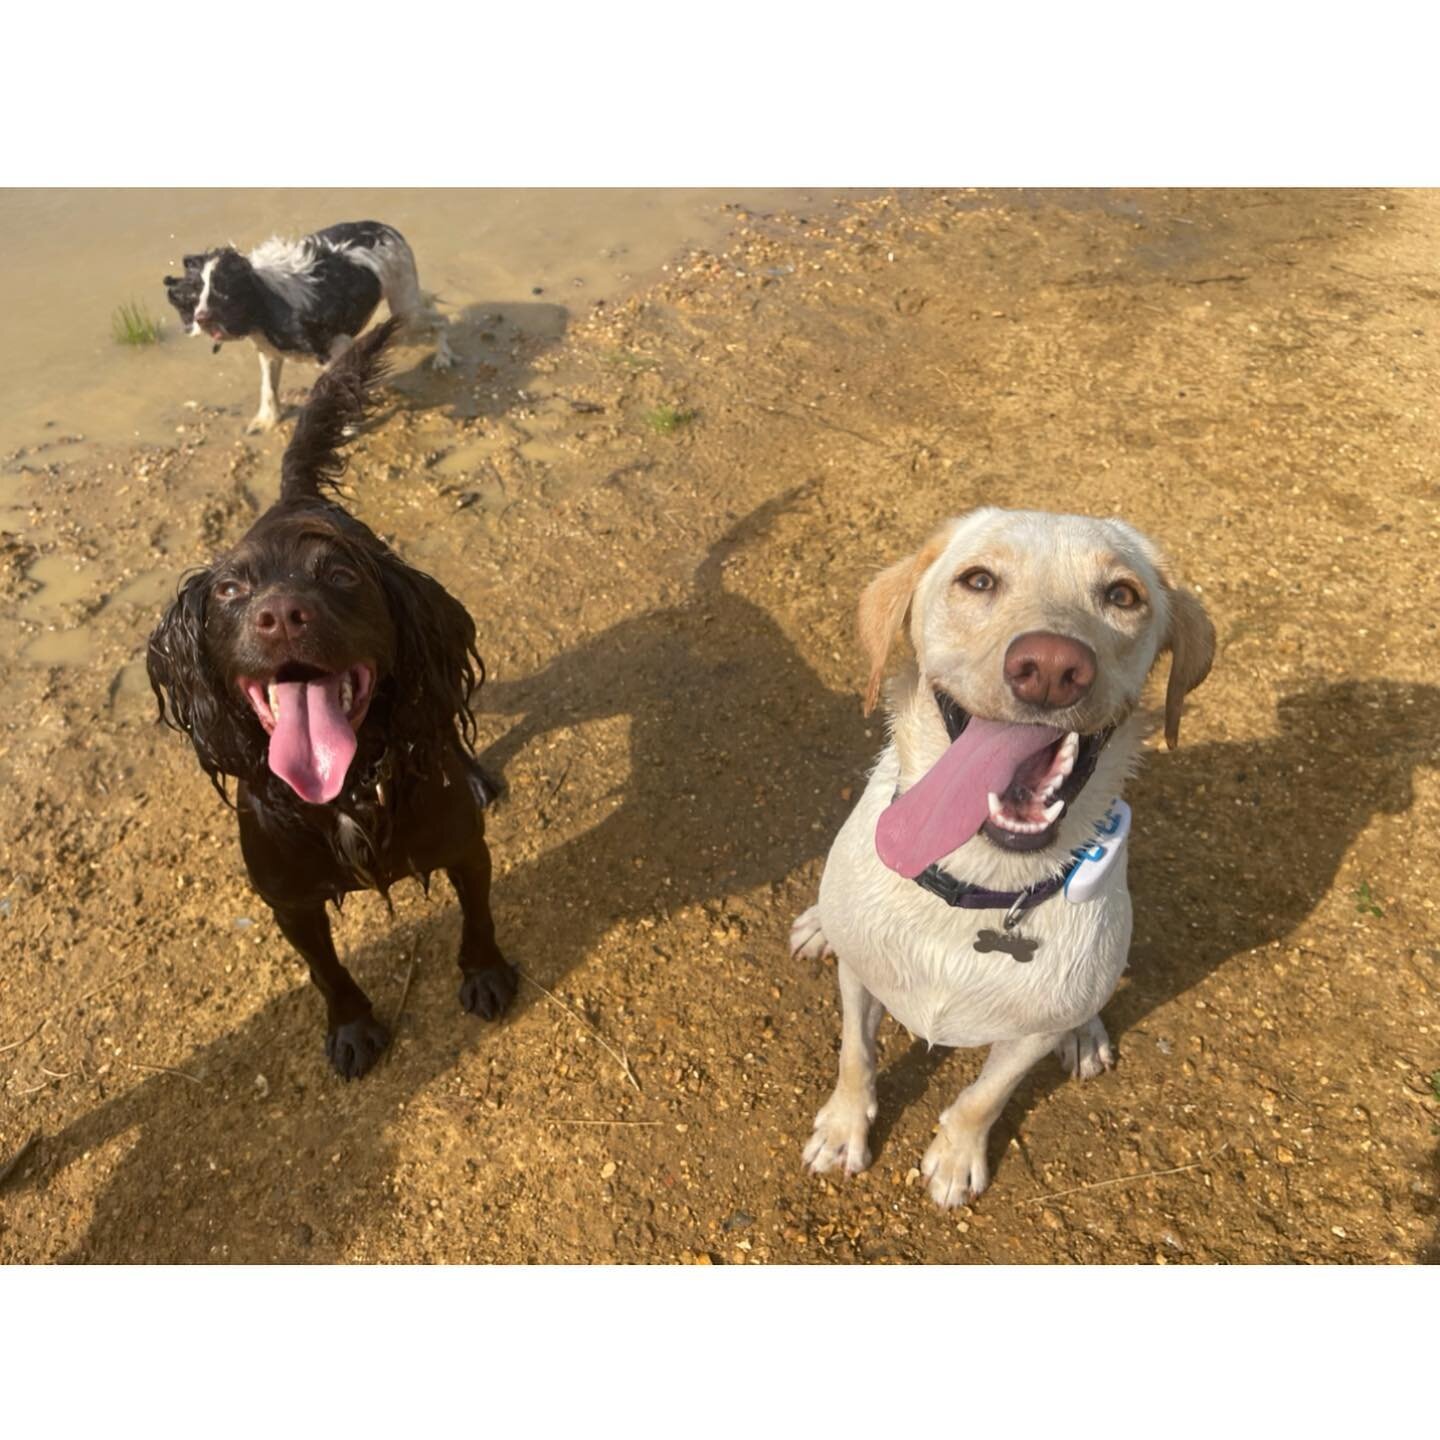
955,1167
488,993
1085,1051
842,1129
444,358
262,424
356,1045
807,937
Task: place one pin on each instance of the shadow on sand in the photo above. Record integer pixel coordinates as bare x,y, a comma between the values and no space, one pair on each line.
1343,754
739,753
495,346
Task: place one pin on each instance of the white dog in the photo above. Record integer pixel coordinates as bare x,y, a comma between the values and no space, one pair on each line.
977,892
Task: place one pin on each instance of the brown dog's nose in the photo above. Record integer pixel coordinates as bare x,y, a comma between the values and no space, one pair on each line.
282,615
1049,670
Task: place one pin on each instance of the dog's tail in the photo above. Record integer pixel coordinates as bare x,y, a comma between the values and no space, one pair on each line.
341,399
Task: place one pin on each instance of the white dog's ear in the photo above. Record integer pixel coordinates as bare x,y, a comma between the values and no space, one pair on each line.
885,602
1191,643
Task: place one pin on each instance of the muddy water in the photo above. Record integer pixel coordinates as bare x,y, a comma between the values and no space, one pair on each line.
72,256
506,264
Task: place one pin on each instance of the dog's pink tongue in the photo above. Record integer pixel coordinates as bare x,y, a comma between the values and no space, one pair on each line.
949,803
312,744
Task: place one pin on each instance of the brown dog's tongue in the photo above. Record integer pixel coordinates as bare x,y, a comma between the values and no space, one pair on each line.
313,742
950,802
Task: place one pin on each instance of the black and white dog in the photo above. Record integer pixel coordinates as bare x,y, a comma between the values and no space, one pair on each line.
304,299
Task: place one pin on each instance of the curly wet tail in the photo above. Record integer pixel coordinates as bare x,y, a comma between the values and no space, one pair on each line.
341,399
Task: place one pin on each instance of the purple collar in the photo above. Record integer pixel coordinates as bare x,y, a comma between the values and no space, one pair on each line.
965,896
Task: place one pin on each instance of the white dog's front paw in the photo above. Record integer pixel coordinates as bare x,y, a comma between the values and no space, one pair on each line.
807,936
1086,1050
444,355
841,1130
955,1166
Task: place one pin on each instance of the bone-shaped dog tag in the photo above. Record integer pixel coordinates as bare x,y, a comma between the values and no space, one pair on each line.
1017,947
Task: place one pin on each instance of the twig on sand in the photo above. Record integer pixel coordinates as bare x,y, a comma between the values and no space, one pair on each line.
604,1043
555,788
566,1120
71,1004
165,1070
405,991
15,1161
16,1044
1126,1179
818,418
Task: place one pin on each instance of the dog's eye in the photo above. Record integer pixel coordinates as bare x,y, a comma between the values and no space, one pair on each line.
230,590
342,575
1122,595
977,579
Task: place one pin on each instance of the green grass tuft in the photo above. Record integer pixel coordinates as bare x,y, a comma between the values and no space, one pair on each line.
631,360
133,324
667,419
1365,902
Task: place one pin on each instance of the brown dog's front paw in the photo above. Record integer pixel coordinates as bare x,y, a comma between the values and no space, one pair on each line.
356,1045
488,993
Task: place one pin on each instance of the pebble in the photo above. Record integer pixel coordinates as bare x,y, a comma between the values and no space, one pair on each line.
607,1169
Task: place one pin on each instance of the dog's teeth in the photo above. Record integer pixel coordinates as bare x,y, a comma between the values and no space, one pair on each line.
347,695
996,810
273,695
1051,811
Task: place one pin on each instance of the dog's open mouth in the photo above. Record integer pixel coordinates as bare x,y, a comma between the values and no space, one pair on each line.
1011,783
1026,815
312,717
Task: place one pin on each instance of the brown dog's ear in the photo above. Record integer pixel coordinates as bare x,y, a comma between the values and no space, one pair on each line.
884,604
1191,643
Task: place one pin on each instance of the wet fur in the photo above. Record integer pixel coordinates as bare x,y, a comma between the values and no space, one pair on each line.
901,949
414,794
305,299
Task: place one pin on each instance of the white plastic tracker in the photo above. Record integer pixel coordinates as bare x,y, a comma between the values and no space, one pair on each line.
1096,858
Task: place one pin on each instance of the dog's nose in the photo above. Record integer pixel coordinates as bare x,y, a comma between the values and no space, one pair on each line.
283,616
1049,670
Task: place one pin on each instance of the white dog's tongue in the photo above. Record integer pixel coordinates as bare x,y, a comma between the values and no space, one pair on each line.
950,802
313,743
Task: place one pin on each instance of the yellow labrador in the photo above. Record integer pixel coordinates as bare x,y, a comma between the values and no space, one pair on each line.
977,892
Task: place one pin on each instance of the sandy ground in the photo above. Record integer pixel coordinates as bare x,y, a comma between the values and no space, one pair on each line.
668,619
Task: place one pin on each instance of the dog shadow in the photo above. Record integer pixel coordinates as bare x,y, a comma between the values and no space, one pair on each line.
495,345
739,753
1235,844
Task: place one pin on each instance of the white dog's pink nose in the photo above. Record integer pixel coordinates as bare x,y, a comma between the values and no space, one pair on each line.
1050,670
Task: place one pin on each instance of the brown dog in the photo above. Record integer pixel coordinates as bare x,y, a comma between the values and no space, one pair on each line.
333,682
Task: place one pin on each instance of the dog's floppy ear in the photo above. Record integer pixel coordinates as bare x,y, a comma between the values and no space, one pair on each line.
437,668
1191,643
885,602
188,692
